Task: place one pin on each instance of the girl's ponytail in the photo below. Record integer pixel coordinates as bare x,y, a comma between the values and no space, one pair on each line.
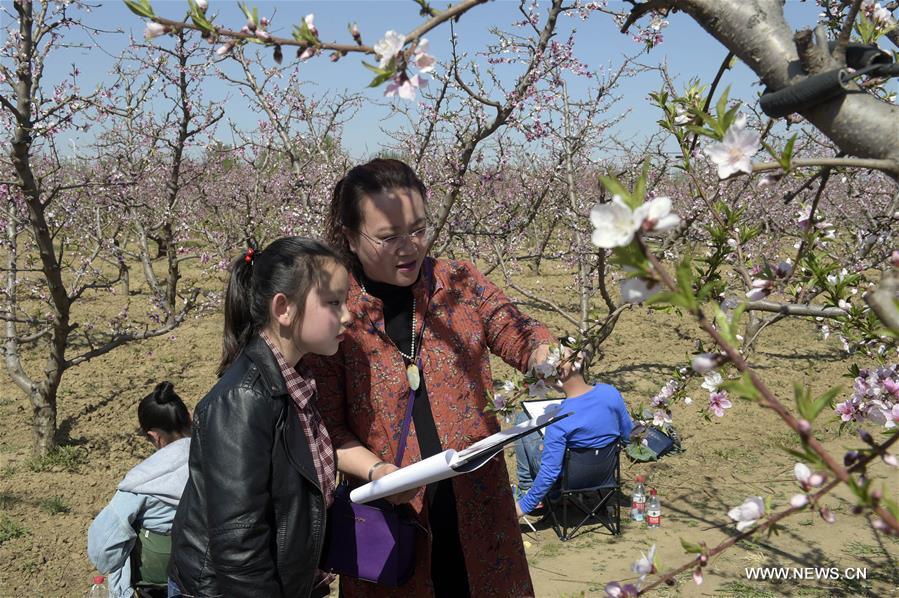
238,305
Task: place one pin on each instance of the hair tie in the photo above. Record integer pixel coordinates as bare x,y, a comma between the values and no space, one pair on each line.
248,258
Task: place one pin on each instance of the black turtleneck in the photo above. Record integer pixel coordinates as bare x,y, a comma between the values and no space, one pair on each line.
448,570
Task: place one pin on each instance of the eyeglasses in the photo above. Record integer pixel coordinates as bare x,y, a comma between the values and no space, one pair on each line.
394,242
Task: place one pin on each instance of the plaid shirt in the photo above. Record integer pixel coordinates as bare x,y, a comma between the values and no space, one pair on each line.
302,391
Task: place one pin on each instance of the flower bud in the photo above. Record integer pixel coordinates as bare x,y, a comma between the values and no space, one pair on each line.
866,437
202,5
850,458
705,362
263,34
697,576
263,22
826,514
804,426
279,55
798,501
154,29
224,49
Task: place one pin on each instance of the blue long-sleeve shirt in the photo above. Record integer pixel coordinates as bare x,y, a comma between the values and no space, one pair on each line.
598,417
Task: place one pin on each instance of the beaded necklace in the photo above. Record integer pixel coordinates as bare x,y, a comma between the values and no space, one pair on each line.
412,373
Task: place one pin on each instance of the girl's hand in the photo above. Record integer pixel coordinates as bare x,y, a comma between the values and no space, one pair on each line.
396,499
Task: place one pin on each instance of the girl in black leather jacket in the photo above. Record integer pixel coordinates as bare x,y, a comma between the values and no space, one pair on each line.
251,521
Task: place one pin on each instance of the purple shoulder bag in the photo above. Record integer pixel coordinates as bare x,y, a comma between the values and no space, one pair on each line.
375,541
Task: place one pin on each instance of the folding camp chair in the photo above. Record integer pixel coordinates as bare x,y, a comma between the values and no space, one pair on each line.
590,480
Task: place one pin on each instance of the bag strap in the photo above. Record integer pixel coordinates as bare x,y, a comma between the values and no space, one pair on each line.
407,419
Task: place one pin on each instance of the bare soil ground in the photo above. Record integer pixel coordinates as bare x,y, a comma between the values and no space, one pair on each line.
46,507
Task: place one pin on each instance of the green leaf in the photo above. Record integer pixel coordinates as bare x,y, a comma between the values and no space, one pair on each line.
742,387
787,156
825,400
616,188
141,8
250,15
302,33
375,69
199,19
640,186
380,79
691,547
638,452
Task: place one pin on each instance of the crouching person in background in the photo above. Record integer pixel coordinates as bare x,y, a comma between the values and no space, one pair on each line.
130,538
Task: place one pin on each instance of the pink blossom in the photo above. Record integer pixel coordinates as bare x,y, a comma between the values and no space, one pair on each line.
616,590
697,576
846,410
405,88
718,402
423,61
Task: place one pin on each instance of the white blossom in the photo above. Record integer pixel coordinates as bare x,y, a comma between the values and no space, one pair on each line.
637,289
656,215
645,564
734,153
711,381
747,513
614,224
389,47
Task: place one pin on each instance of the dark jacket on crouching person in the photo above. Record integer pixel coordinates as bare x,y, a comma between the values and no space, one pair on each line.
254,528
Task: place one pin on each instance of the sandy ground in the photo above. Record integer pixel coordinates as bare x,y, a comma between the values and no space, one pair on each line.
44,515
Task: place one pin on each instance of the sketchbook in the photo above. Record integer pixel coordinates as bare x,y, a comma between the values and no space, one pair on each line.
449,463
536,408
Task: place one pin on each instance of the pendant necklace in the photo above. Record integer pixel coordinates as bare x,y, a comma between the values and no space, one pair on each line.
412,373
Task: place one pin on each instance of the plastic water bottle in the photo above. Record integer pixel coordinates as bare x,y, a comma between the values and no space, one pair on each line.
638,499
653,510
98,588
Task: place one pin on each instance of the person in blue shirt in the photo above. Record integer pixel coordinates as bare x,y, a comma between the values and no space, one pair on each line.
598,417
146,499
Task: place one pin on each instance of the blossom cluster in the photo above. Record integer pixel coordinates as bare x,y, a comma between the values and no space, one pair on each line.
875,398
877,14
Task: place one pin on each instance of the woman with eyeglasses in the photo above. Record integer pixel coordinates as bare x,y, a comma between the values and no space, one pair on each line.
423,327
131,537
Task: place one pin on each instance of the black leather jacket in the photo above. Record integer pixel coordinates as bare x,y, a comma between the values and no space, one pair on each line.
251,521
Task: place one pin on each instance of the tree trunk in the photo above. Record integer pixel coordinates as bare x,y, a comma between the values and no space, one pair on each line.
43,424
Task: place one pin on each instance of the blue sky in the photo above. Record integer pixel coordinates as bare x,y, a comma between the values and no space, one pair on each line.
688,50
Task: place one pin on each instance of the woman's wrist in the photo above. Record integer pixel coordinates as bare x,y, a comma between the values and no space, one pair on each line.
371,470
